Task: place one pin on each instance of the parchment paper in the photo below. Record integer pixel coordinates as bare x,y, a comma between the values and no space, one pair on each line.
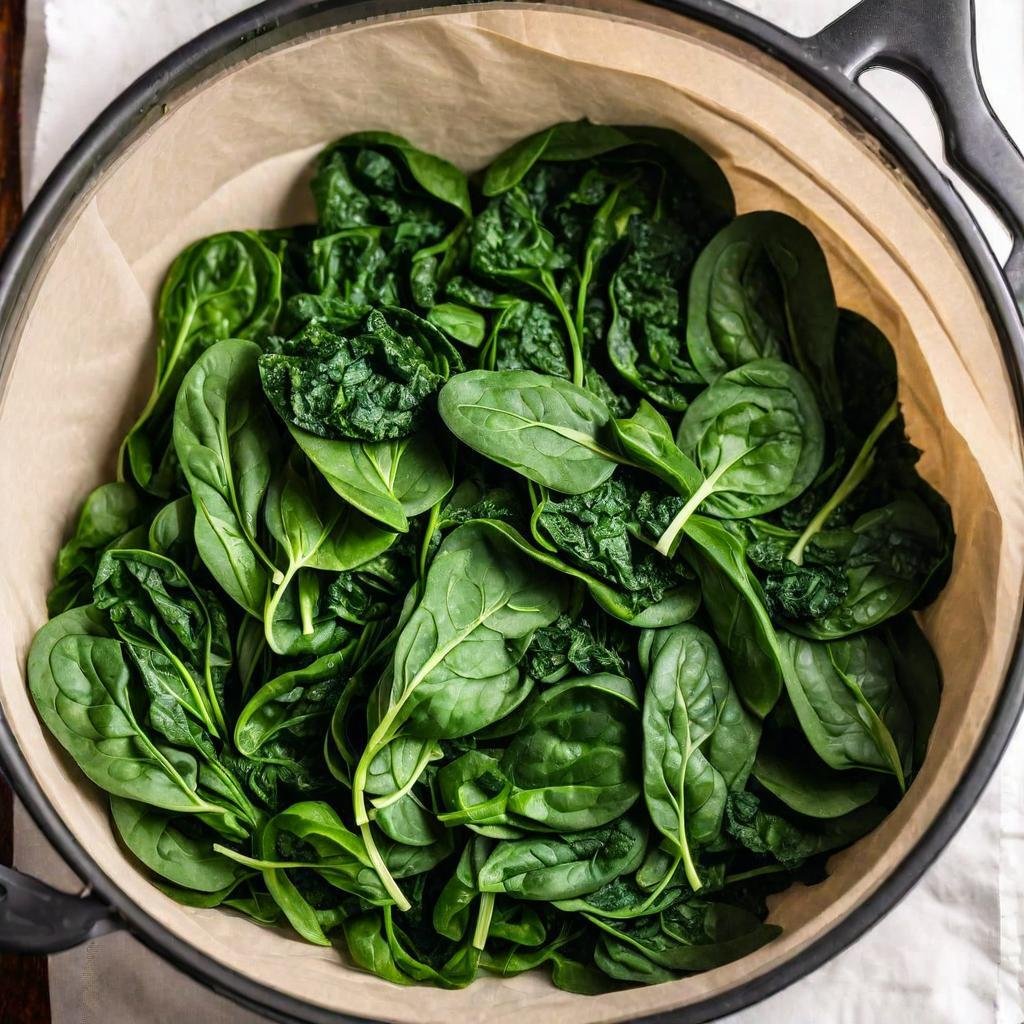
466,85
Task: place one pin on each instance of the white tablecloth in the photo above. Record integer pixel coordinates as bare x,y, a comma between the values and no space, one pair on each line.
951,953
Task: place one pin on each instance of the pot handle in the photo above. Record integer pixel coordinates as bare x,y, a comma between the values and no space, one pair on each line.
933,43
35,918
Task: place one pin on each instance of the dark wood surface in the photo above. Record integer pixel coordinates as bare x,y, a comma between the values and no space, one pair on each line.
24,994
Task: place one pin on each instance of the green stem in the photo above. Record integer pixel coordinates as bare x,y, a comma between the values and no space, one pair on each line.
270,609
538,499
668,539
394,891
428,535
661,886
854,477
483,920
307,599
570,326
743,876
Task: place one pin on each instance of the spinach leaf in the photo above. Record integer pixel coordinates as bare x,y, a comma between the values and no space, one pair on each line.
571,764
386,480
675,605
849,704
314,530
310,836
543,427
171,532
806,786
757,436
791,843
296,702
595,531
456,663
761,289
168,846
698,741
82,688
919,677
561,868
108,514
890,556
227,448
575,646
690,936
738,616
224,286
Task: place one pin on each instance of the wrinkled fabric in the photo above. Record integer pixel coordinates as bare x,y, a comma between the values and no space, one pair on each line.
950,953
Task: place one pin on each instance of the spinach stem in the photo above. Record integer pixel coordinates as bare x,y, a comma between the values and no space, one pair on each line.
484,913
270,610
570,326
667,540
660,888
394,891
854,477
428,535
743,876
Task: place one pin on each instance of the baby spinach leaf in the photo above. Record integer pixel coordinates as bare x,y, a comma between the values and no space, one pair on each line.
849,704
542,427
698,741
757,437
297,701
738,616
386,480
806,786
646,439
81,686
456,664
761,289
224,286
594,531
571,764
460,892
227,448
919,677
561,868
177,636
575,646
889,556
313,529
676,604
791,843
690,936
375,162
310,836
166,845
107,514
171,531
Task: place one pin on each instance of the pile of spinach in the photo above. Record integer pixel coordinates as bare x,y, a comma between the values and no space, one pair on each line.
504,573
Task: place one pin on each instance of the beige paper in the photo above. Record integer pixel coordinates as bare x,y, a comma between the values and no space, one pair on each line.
466,83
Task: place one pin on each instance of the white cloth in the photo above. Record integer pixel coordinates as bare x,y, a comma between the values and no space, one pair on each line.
951,953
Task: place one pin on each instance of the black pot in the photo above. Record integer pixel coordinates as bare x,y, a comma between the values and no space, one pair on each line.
932,41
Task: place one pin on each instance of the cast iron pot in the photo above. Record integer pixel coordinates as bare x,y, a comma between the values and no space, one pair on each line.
932,41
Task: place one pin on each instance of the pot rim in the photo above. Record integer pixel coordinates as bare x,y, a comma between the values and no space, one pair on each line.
240,37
